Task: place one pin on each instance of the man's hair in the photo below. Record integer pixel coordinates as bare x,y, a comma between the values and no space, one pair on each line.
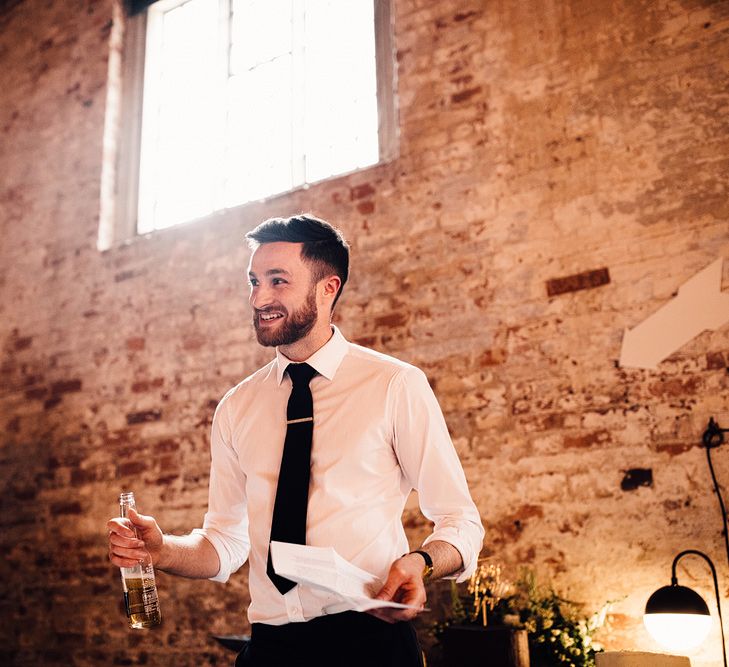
323,246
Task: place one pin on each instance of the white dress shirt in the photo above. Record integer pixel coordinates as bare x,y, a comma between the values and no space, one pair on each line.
378,433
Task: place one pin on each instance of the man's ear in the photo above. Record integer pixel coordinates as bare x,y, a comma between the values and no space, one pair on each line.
331,286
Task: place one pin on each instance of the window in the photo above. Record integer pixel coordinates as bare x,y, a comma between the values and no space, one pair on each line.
245,99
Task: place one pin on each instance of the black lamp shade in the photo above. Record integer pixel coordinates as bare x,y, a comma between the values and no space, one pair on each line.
676,600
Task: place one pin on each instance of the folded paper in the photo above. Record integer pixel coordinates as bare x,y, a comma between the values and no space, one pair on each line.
323,568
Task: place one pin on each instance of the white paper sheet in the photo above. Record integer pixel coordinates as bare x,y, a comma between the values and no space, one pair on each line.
699,306
325,569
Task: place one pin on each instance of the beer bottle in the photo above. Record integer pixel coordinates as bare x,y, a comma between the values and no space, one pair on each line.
140,588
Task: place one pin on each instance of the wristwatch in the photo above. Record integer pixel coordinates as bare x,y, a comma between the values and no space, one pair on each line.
428,569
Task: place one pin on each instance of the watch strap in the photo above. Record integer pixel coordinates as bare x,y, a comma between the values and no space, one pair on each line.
428,569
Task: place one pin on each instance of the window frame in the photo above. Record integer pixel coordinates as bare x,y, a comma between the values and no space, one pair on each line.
122,221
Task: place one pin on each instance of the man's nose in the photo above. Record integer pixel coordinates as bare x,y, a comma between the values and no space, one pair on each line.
260,297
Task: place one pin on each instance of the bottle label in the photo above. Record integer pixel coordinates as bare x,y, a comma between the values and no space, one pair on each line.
140,596
149,590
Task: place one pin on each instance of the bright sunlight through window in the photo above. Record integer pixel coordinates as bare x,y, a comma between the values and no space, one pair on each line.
244,99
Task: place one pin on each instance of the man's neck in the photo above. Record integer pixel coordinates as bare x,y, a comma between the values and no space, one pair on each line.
302,349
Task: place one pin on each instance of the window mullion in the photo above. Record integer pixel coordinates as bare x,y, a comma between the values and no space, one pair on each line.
220,120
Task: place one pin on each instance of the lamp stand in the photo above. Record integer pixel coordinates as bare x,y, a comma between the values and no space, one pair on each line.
674,582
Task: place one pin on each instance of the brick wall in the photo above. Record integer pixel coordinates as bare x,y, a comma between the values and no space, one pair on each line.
563,170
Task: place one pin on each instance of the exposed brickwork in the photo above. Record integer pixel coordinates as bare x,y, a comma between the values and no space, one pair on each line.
537,142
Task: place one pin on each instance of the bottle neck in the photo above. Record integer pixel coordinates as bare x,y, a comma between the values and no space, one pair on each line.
126,500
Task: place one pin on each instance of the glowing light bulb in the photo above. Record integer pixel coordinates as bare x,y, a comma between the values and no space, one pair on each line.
680,633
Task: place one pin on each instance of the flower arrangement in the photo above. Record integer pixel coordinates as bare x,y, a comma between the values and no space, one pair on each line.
486,589
559,635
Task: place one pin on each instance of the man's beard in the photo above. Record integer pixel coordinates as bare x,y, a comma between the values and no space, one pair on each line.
295,326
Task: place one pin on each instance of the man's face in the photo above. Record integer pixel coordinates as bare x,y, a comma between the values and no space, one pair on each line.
283,295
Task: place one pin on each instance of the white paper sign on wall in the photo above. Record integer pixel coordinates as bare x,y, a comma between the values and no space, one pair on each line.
699,305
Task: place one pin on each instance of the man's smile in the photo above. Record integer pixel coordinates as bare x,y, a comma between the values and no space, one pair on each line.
268,316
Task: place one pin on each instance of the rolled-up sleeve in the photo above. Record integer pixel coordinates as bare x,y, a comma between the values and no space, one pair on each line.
226,522
431,465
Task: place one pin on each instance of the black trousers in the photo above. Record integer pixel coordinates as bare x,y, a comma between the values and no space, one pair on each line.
349,639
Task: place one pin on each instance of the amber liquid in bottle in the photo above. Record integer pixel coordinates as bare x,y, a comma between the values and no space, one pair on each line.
138,583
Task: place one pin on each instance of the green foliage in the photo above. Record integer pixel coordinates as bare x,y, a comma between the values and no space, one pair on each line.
559,635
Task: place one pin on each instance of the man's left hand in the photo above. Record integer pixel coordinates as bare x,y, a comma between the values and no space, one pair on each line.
404,584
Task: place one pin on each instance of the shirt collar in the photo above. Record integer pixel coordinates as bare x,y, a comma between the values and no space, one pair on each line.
325,360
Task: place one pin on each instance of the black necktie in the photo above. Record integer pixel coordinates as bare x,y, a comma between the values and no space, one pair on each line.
292,494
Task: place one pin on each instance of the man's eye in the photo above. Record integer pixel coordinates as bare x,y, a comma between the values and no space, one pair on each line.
278,281
252,283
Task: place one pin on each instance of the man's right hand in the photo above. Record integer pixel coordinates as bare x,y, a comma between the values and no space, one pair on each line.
125,548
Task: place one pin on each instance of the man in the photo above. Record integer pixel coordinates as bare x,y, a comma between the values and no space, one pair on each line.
351,431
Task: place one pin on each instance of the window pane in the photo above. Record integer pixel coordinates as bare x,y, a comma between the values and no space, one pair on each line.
258,147
341,87
261,31
176,179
